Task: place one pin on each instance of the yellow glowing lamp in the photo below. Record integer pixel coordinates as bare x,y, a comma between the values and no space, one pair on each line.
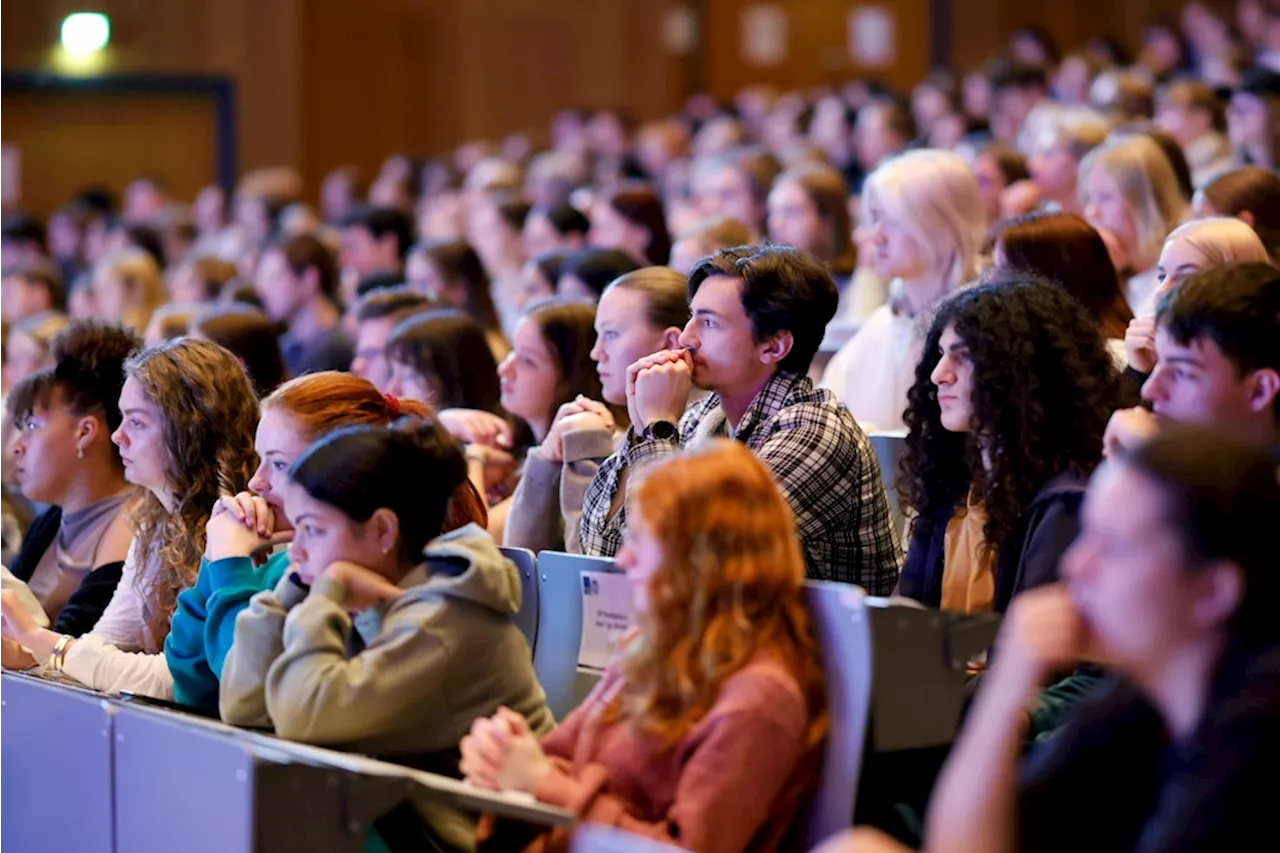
85,33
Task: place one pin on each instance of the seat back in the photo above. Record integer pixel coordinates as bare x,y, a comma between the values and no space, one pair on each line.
527,619
889,447
555,657
844,637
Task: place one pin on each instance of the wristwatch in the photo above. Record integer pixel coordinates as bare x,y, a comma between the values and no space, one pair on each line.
662,430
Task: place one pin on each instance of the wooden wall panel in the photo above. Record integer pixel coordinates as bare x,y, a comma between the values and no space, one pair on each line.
817,45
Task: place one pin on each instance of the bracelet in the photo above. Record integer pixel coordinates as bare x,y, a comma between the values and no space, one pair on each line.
58,658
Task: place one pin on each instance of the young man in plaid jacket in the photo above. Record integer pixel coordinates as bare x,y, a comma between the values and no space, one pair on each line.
759,313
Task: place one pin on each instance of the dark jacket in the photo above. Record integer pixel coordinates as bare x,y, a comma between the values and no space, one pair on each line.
1113,781
1028,559
85,606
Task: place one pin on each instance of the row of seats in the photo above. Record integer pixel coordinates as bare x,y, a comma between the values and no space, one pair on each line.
141,777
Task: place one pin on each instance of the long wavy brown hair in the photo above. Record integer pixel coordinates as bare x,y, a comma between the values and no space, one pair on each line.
320,403
210,415
731,585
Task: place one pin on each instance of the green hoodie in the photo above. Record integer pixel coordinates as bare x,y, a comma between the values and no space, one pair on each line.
443,653
204,623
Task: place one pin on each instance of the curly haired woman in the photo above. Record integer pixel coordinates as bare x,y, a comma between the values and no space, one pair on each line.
705,730
186,437
1005,423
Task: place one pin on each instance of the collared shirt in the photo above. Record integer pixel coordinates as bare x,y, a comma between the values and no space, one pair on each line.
821,460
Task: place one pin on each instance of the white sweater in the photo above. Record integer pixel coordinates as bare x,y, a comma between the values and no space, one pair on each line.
108,658
872,373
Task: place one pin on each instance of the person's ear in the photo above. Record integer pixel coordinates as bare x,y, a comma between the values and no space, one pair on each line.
1266,385
1221,593
384,527
87,429
1246,216
671,338
776,348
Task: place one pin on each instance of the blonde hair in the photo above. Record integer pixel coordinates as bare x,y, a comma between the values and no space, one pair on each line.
935,196
1078,129
1147,184
1222,240
139,275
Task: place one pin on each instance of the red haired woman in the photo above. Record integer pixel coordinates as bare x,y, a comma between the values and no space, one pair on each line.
705,730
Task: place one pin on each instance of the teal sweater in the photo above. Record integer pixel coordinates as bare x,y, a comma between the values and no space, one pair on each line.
204,623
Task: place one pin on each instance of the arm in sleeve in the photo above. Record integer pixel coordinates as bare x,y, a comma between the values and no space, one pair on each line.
316,694
193,683
102,666
1056,529
534,520
725,790
584,452
121,621
87,604
259,640
232,584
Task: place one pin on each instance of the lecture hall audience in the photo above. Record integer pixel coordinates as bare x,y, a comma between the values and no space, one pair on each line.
481,347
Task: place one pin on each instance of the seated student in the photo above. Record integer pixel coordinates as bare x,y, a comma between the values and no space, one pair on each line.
538,277
1172,582
721,673
1193,247
1058,139
73,553
168,321
30,288
641,313
250,336
1064,248
450,273
923,227
26,346
200,279
549,366
705,237
554,228
1192,113
1005,424
186,435
376,314
586,274
297,281
1218,358
246,526
628,217
441,357
372,572
127,288
758,317
1130,194
1250,194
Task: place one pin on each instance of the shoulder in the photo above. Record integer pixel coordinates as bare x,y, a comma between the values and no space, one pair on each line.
764,686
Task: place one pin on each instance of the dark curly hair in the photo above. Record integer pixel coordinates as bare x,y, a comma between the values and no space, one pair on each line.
210,417
1044,386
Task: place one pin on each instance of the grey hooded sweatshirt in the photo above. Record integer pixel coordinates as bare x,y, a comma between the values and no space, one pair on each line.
433,660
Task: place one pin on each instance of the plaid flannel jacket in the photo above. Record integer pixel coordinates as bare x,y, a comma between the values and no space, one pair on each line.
821,459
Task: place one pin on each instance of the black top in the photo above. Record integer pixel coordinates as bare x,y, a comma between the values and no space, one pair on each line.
85,606
1112,780
1029,559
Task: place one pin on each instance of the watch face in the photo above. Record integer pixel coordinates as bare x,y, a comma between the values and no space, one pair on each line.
664,430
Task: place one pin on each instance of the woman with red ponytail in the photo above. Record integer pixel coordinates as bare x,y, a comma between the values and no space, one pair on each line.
245,528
